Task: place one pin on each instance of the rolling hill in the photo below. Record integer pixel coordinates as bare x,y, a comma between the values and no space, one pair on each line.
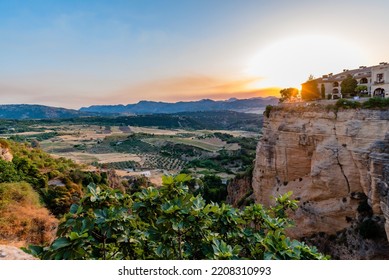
24,111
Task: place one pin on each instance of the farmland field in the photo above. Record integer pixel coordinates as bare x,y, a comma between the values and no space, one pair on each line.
134,149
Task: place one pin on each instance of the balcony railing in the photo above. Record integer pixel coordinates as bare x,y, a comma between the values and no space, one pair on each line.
379,82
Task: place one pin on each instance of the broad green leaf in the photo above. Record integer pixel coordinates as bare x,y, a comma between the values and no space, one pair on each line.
60,243
73,209
167,180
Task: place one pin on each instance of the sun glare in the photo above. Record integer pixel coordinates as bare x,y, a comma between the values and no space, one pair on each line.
289,62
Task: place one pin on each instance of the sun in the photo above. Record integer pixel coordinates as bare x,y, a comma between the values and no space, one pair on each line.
289,62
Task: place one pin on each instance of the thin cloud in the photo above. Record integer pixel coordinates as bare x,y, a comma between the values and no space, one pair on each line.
190,88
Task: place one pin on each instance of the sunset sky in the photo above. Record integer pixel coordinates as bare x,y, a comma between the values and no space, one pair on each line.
78,53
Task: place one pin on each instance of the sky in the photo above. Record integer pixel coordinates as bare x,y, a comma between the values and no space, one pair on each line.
80,53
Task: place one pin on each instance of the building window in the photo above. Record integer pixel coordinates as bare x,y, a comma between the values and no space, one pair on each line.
363,81
335,84
380,78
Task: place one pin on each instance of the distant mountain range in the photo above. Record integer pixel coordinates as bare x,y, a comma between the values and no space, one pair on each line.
24,111
152,107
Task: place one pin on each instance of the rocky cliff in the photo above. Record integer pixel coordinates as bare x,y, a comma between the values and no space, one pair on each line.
14,253
335,162
240,191
5,153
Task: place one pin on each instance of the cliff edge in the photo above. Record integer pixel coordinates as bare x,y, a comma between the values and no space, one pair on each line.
335,162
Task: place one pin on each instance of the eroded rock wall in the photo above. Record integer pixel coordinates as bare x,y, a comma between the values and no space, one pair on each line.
330,160
240,191
5,154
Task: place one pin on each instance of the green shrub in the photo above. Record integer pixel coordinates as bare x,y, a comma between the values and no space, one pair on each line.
4,143
376,102
8,173
268,110
36,167
21,193
348,104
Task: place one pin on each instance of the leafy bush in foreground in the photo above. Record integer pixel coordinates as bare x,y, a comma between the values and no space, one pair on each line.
171,223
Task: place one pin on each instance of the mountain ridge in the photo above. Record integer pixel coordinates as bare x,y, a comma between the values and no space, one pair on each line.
36,111
152,107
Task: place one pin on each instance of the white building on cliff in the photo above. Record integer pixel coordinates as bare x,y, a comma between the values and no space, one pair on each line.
375,78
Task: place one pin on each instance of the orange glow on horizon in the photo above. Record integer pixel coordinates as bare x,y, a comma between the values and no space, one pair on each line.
190,88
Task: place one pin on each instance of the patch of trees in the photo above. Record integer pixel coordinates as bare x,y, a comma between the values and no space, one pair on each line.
227,120
38,137
228,161
212,189
179,150
163,162
244,156
37,168
132,144
129,164
15,126
207,164
136,184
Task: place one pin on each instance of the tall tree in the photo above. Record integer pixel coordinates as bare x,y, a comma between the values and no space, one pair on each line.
310,89
288,93
323,91
348,86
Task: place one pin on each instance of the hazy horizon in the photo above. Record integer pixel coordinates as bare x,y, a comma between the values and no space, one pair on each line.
80,53
124,104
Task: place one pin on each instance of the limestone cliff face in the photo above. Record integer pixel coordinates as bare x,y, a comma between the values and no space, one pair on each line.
5,154
240,191
331,161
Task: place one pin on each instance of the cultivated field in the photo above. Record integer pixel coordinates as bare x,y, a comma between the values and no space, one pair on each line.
133,149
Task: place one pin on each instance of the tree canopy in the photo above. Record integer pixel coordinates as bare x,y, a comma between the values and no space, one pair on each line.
310,89
361,89
323,91
171,223
348,86
288,93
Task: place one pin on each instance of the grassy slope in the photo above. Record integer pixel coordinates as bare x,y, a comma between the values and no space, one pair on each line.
22,217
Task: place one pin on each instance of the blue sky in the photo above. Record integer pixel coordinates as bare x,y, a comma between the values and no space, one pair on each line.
77,53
